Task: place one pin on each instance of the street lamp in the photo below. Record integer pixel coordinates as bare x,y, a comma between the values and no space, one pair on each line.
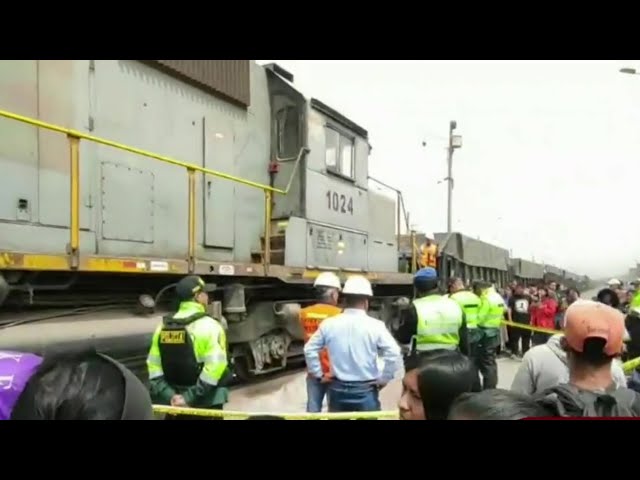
455,141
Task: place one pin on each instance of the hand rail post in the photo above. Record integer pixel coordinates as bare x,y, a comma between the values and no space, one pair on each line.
266,258
413,251
398,225
74,221
191,251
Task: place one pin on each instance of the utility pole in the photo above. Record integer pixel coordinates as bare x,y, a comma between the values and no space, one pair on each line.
455,141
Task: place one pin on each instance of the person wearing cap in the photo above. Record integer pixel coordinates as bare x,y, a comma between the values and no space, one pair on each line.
187,361
593,339
327,286
432,321
490,315
547,365
354,341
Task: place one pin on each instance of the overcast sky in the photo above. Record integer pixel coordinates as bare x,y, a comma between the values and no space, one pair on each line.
550,162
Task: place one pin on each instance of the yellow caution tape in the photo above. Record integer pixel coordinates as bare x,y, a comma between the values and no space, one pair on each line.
533,329
203,412
630,365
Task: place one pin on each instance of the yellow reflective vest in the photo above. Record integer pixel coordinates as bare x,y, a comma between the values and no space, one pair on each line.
492,309
470,304
439,323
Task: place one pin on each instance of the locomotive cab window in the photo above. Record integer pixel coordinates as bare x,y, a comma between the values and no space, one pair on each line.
339,153
287,132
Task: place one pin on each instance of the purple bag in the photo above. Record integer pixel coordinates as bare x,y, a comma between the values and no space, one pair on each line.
16,368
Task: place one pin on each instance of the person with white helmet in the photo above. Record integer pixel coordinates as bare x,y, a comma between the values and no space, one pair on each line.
327,286
354,341
614,283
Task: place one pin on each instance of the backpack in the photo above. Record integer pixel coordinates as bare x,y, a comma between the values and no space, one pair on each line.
569,401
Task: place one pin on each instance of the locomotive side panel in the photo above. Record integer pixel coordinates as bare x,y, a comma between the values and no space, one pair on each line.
335,248
130,205
333,201
383,248
19,142
35,197
141,106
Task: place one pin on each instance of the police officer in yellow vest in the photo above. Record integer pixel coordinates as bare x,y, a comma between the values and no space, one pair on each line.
432,321
470,304
187,361
490,316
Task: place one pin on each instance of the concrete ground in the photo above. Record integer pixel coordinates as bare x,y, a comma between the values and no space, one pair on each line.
287,394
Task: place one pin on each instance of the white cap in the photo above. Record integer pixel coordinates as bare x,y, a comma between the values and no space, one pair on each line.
357,285
327,279
614,281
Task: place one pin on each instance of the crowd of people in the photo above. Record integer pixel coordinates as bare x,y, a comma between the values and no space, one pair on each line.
576,372
444,346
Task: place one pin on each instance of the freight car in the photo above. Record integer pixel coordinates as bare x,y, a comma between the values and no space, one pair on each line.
460,255
218,168
527,272
469,258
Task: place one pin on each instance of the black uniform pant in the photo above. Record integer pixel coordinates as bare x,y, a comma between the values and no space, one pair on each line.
474,356
487,352
517,336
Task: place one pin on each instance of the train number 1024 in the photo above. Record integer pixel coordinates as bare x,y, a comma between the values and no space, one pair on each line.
339,202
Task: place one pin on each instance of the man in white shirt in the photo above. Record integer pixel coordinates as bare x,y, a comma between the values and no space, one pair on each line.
354,341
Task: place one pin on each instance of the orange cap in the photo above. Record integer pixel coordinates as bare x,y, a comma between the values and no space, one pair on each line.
588,319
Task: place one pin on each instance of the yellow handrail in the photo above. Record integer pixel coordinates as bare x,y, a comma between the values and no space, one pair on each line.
74,137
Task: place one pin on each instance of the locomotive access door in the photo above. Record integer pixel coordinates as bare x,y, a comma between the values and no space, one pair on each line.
219,194
37,188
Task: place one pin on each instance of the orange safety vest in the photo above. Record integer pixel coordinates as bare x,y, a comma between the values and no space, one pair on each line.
429,255
311,317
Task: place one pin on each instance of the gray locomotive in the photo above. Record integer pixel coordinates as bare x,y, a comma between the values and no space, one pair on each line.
254,187
121,176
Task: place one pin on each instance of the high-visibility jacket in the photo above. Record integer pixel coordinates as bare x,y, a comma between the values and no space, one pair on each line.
492,308
311,317
470,304
187,348
635,300
428,255
439,322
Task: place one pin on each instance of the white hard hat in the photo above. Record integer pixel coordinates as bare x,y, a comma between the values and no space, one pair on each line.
614,281
327,279
357,285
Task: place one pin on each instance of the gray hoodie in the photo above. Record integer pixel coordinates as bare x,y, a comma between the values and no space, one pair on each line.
545,366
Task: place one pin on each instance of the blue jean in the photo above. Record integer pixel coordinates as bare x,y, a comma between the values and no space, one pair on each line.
353,397
316,391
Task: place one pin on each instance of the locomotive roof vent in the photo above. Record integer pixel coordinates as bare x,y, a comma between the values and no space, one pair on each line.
278,70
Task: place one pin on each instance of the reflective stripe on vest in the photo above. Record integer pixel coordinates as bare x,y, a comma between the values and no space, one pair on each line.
470,304
439,322
492,310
